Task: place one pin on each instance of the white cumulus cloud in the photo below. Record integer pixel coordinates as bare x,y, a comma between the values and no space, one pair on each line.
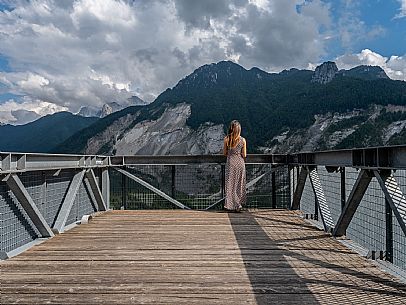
90,52
27,110
394,66
402,9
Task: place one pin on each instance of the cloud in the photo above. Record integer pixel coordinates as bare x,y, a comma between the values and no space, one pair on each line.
394,66
88,52
24,116
402,9
26,111
351,29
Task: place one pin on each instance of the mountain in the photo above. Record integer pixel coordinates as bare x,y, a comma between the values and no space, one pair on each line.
42,134
294,106
365,72
325,73
109,108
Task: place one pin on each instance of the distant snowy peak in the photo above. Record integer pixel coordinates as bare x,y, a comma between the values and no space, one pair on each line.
109,108
136,101
88,111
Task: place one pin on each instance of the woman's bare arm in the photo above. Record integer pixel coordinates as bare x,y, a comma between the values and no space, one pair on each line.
225,149
244,148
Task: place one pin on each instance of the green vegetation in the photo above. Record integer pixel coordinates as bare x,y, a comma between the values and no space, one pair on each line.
43,134
264,103
268,104
370,133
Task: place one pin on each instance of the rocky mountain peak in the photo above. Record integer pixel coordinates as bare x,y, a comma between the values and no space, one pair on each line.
106,110
366,72
223,72
109,108
325,73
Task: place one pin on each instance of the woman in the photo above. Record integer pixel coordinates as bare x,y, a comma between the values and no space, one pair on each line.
235,148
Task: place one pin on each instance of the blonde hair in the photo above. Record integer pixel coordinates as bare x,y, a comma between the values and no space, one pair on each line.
233,135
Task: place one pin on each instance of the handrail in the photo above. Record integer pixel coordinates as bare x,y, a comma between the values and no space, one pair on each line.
381,157
314,182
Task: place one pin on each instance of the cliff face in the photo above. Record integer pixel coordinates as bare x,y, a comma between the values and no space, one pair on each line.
325,73
167,135
295,110
377,125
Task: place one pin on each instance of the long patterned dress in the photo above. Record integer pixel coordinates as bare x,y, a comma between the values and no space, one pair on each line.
235,178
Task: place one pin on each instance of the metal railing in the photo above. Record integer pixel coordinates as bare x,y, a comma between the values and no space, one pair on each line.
195,182
357,193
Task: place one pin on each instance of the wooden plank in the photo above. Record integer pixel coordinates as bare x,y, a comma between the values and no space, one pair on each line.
189,257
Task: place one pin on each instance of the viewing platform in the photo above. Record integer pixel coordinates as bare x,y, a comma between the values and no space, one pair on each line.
191,257
321,228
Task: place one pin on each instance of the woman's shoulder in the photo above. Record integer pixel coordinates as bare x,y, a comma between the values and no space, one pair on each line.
242,139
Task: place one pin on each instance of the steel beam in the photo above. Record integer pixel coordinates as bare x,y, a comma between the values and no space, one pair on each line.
152,188
273,185
22,162
91,194
101,205
194,159
388,231
356,195
297,195
394,196
321,201
18,189
342,187
68,202
106,187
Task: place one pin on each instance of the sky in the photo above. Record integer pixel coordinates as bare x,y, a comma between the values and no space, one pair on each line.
60,55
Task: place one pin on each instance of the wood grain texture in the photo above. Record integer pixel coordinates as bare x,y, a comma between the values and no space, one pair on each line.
192,257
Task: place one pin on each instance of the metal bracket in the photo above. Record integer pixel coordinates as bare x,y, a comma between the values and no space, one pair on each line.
324,209
68,202
356,195
3,255
394,196
17,187
297,195
152,188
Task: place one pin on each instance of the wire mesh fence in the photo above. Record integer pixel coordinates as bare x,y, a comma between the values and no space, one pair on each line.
198,186
48,190
369,226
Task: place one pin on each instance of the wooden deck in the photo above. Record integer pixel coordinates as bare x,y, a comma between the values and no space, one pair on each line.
191,257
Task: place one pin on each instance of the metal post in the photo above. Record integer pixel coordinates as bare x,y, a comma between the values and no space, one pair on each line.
343,194
173,180
93,185
124,191
389,232
354,199
289,187
297,195
316,208
106,187
273,181
24,198
223,180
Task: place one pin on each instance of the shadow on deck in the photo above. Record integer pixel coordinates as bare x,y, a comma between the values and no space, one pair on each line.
290,262
191,257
